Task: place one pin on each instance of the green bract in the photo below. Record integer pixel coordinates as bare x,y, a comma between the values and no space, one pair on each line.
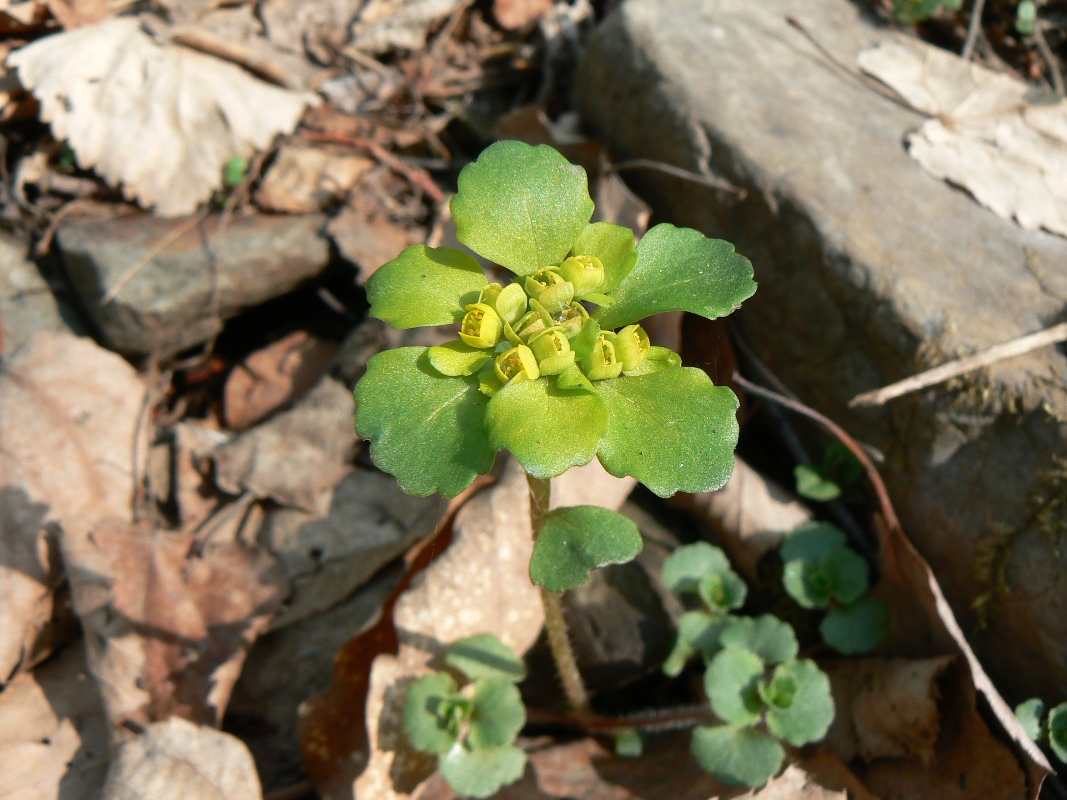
534,371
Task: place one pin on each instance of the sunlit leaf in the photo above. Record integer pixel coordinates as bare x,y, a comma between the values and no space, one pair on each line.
497,713
578,539
427,729
811,541
485,656
521,206
738,756
1029,713
766,636
458,358
679,269
807,717
613,245
424,286
481,773
673,430
811,484
731,682
683,569
424,428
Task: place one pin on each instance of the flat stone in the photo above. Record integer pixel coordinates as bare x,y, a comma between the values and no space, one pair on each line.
869,269
27,304
180,280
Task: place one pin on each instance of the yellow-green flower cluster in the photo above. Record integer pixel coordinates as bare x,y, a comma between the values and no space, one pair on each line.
540,327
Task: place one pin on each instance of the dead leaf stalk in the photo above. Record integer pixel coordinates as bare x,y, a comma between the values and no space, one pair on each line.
1050,59
973,28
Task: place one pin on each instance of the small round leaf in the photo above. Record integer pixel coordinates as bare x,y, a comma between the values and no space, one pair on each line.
813,485
426,429
481,773
458,358
856,629
577,539
497,713
673,430
723,591
811,541
629,743
732,685
427,728
807,584
424,286
848,572
736,755
687,565
772,640
548,430
485,656
1029,713
808,715
521,206
1057,731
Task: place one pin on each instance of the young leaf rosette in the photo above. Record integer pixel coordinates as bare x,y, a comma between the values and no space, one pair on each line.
553,367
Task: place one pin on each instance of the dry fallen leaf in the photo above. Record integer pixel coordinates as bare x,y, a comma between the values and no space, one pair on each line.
367,236
177,760
53,732
167,628
296,458
273,377
383,25
989,133
78,13
194,493
304,178
68,423
513,15
161,120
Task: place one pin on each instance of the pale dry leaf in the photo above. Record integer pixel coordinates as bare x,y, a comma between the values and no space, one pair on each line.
297,457
384,25
304,178
53,733
177,760
78,13
989,133
513,15
161,120
274,377
68,423
194,442
167,628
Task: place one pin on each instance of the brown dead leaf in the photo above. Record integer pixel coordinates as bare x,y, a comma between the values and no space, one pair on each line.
68,424
274,377
513,15
988,132
195,495
16,18
177,760
53,732
296,458
305,178
167,628
79,13
161,120
367,236
384,25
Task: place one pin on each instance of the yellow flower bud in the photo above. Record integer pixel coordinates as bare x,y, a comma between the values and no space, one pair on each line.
481,327
602,362
517,364
586,273
631,346
549,288
552,350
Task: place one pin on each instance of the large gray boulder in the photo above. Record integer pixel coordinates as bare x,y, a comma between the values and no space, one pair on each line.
869,269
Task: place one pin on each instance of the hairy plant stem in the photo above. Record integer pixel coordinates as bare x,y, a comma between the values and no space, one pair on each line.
555,625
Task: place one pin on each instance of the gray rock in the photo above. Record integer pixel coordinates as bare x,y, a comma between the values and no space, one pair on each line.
27,304
180,296
869,269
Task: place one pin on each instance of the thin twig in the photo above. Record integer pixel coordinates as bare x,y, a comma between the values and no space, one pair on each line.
678,172
1050,58
669,719
973,27
161,245
1016,347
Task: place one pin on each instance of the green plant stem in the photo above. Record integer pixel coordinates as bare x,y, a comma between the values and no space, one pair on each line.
555,624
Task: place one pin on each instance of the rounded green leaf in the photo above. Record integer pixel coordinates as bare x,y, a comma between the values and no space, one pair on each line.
577,539
615,247
629,743
856,629
481,773
849,574
811,541
687,565
810,710
497,713
673,430
424,286
732,685
766,636
485,656
698,632
1057,731
1029,713
807,584
429,729
458,358
426,429
737,756
723,591
549,430
521,206
679,269
812,485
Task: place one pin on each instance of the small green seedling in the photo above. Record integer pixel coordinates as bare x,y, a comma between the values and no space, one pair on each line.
553,366
234,171
822,572
469,715
839,471
1039,727
1026,18
753,679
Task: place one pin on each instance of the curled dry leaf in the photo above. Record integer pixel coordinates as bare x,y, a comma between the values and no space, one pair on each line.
161,120
296,458
274,377
177,760
167,628
68,423
53,732
384,25
989,133
304,178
